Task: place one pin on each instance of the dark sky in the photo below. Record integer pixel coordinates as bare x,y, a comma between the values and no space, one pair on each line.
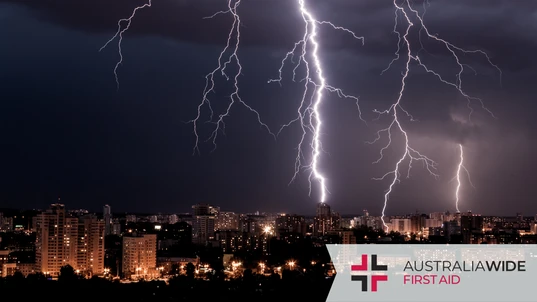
66,130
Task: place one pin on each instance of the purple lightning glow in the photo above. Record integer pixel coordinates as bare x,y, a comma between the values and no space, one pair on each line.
309,115
461,167
395,110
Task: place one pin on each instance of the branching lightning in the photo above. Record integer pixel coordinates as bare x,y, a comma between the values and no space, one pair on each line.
227,57
235,33
396,111
309,115
458,177
119,35
309,112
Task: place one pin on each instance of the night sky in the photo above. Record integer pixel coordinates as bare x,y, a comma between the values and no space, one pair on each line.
66,130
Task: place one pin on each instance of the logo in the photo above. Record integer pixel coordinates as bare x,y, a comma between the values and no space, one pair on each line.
375,267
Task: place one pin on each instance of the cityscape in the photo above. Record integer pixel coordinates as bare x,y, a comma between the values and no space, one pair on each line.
133,247
295,150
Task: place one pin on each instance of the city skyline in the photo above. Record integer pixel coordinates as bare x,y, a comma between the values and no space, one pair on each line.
207,223
107,212
75,136
240,257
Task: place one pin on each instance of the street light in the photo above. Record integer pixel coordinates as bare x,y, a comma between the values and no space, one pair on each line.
291,264
235,264
268,231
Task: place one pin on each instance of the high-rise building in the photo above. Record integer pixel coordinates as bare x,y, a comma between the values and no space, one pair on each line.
440,216
140,256
52,244
471,228
347,237
401,225
457,218
116,227
203,223
204,209
323,210
418,222
91,245
322,222
366,220
4,259
290,224
451,228
432,223
336,220
62,240
107,214
227,221
255,224
203,229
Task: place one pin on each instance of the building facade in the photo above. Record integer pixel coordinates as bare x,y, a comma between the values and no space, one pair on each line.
62,240
140,256
107,215
322,222
203,223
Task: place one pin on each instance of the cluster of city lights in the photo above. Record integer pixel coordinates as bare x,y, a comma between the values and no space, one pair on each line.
268,230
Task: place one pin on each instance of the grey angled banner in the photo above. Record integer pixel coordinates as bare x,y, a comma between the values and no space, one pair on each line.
433,273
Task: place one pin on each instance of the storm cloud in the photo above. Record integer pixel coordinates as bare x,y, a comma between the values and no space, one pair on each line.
506,30
494,26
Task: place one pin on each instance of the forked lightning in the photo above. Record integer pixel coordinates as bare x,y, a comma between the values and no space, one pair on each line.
232,49
119,35
227,56
396,111
309,116
460,168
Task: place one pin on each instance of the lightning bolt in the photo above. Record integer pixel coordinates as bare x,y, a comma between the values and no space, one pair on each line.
223,62
396,111
309,112
119,36
309,116
458,177
232,49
